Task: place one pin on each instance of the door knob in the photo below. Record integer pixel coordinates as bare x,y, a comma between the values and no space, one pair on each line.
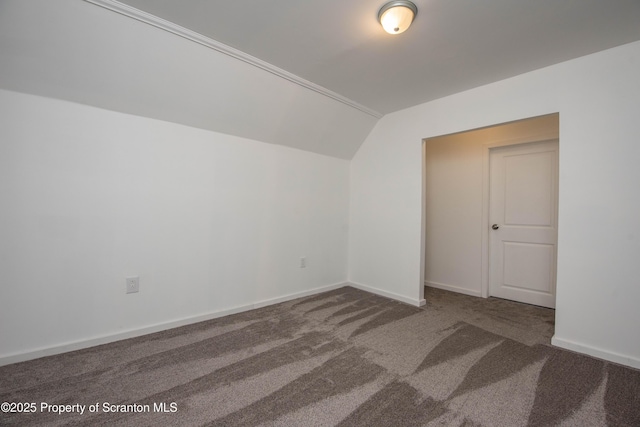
495,226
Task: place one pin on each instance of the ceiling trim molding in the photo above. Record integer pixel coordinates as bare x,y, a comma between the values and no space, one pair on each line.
193,36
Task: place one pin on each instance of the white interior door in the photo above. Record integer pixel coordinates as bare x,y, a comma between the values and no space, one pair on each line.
523,218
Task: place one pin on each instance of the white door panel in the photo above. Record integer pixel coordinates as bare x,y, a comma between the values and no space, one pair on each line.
523,206
528,189
527,266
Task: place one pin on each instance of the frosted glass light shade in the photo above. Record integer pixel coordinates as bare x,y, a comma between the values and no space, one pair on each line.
396,16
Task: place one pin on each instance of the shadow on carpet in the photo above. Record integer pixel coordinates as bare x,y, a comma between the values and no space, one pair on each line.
341,358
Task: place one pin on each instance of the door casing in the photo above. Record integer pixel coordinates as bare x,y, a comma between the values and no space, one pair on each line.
525,235
485,196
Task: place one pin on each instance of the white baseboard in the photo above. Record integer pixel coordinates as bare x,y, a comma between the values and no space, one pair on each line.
295,295
453,288
132,333
611,356
412,301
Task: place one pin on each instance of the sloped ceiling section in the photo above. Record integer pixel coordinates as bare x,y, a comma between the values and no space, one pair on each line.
81,52
453,45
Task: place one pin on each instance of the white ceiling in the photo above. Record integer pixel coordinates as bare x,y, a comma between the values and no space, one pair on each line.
453,45
315,75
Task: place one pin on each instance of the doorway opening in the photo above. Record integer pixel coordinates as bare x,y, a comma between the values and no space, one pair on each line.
458,214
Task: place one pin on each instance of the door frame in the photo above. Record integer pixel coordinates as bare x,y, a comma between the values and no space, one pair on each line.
486,150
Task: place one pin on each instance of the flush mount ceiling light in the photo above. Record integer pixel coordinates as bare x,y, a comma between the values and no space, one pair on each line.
396,16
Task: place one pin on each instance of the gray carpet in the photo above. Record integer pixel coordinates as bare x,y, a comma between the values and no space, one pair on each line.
341,358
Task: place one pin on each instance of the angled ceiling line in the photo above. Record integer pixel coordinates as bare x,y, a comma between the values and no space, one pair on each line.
193,36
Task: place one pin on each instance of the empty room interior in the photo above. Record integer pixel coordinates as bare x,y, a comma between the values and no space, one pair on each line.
320,213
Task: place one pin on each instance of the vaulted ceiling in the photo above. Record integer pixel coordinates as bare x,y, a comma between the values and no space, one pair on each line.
453,45
314,75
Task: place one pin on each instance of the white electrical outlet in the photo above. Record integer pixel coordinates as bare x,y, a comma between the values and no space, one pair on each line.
303,262
133,284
